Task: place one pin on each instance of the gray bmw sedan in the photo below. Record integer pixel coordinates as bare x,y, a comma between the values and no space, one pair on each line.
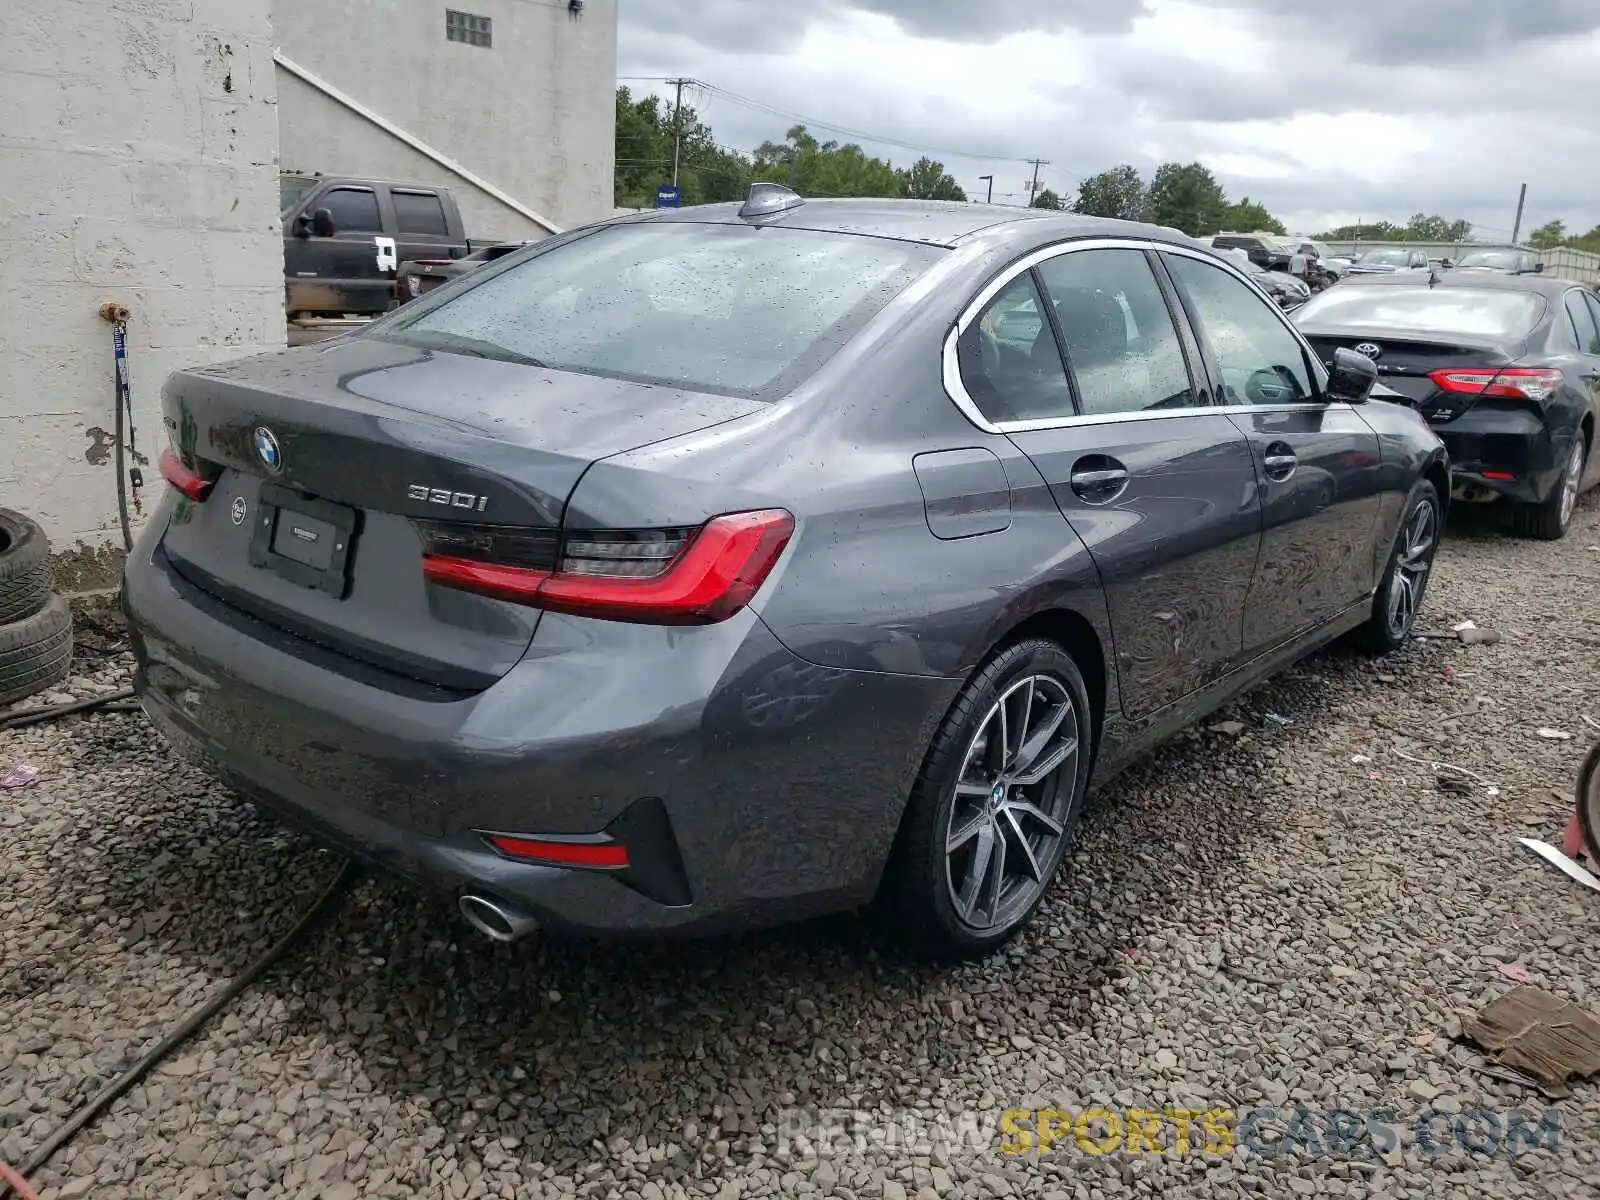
730,565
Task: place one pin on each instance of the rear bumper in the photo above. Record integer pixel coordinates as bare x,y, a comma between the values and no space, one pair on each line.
781,783
1487,443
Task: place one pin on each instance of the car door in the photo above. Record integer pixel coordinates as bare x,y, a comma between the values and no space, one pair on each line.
421,229
1319,463
1590,372
1095,386
355,267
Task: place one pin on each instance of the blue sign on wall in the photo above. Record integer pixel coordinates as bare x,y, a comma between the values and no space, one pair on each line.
668,196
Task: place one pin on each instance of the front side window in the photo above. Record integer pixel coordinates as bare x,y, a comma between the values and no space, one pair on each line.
1122,347
725,308
1010,363
355,210
1261,360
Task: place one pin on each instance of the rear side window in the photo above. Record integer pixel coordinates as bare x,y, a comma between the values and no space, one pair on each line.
1122,347
1261,360
1480,311
1010,363
1583,325
355,210
419,212
724,308
1594,306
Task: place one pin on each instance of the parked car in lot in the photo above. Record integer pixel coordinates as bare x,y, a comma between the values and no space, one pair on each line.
1509,262
418,276
344,238
1387,262
1285,290
1505,367
733,564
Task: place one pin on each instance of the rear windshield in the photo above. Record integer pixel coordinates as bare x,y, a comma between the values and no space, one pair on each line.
1488,258
1432,310
735,309
1385,258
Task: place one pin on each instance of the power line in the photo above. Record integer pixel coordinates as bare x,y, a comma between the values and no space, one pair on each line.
816,122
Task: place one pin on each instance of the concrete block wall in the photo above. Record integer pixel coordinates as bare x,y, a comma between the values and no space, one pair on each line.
534,114
138,162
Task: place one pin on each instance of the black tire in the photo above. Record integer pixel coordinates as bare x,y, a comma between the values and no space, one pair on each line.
25,575
1549,520
36,652
1388,628
917,892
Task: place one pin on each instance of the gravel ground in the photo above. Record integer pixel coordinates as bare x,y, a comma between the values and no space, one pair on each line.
1253,919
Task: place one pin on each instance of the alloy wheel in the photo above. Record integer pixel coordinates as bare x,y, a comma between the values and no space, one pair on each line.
1412,564
1013,798
1569,485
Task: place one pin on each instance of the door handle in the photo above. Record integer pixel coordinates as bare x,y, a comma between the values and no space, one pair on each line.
1098,479
1280,461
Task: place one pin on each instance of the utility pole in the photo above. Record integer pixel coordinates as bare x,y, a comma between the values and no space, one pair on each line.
1516,226
677,125
990,178
1033,186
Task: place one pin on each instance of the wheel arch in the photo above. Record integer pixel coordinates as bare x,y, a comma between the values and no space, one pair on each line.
1437,472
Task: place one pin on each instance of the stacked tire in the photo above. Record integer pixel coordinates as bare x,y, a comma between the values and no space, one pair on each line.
35,622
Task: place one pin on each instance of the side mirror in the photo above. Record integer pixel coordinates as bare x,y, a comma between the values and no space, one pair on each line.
1538,268
322,223
1352,377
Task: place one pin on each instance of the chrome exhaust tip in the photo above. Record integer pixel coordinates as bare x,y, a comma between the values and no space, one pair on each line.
495,919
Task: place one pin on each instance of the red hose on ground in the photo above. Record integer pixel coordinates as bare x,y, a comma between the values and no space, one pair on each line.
19,1185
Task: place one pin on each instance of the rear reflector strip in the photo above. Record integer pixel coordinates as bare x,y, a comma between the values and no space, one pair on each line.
187,480
662,577
604,855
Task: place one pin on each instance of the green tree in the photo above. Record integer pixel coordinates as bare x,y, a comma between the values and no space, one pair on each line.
1366,231
1187,197
928,180
1047,199
1117,193
815,168
1551,234
644,143
1249,216
1587,241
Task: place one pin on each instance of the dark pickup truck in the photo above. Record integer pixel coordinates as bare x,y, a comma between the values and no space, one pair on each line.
344,239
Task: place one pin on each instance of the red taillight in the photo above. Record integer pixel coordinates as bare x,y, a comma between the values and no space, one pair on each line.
1512,383
656,577
597,854
1500,475
187,480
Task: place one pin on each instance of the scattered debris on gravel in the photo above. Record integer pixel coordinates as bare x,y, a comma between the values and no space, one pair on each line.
1270,919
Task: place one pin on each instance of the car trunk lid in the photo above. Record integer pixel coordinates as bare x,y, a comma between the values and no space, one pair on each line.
329,464
1406,362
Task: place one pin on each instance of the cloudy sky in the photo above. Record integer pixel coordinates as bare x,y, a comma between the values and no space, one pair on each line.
1325,112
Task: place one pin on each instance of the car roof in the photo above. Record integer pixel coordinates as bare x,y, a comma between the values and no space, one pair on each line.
1543,285
935,222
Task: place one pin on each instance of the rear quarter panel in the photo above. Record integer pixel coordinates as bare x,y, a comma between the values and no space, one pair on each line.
864,584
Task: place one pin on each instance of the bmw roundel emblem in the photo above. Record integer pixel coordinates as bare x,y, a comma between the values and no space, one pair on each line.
267,449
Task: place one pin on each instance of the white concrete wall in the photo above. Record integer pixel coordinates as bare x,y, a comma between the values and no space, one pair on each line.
138,161
534,115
